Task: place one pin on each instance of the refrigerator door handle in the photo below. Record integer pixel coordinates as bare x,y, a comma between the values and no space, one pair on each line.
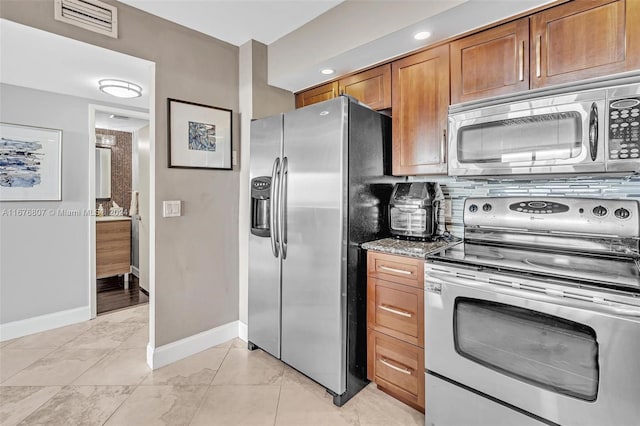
273,203
282,199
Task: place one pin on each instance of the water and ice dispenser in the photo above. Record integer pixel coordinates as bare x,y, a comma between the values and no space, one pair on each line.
260,210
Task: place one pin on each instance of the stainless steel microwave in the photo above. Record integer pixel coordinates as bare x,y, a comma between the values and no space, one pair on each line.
577,132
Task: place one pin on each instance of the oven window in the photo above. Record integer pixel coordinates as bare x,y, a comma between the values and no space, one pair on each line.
543,350
556,136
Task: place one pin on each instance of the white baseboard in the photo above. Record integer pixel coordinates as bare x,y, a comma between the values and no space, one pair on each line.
243,332
135,271
175,351
14,329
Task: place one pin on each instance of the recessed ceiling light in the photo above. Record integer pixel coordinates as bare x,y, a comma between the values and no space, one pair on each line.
327,71
422,35
120,88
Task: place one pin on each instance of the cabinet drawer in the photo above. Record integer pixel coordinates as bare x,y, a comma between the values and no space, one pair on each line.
399,269
397,367
396,310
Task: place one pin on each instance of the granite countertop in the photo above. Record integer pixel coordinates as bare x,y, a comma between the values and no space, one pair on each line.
417,249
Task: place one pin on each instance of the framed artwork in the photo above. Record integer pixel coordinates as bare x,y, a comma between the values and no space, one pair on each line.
199,136
30,163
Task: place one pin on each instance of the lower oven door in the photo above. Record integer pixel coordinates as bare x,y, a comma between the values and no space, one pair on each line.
545,354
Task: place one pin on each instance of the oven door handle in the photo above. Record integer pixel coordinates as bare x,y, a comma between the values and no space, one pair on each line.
560,300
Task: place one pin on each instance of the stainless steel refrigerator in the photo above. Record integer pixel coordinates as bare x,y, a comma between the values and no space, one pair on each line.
319,189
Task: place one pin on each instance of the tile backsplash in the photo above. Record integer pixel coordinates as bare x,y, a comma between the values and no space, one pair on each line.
458,189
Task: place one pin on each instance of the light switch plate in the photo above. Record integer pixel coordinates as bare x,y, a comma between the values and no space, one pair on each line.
171,208
234,158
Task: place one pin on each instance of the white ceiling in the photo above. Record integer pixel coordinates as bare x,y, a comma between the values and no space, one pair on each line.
45,61
238,21
305,36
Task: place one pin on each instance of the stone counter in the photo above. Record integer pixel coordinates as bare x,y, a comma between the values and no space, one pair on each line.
417,249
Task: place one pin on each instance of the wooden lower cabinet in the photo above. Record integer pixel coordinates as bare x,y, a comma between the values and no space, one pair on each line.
397,368
113,248
395,323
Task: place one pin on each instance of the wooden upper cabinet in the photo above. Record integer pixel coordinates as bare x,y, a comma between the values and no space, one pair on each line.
490,63
318,94
420,100
584,39
371,87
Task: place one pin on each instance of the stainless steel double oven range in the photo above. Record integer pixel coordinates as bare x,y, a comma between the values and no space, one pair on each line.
535,318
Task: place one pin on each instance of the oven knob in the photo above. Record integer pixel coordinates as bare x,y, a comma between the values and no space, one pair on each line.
473,208
600,211
487,207
622,213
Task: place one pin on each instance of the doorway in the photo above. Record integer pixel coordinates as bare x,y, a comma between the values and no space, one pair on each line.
121,177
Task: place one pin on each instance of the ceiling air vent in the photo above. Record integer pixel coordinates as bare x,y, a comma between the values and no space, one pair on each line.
92,15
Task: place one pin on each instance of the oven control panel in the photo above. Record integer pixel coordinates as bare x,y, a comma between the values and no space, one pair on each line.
624,128
539,207
610,217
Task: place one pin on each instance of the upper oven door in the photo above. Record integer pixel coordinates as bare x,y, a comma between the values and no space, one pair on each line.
545,354
562,134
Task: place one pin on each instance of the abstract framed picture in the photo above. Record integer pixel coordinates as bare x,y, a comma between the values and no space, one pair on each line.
30,163
199,136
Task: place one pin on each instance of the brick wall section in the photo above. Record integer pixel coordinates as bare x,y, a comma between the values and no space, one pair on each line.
120,169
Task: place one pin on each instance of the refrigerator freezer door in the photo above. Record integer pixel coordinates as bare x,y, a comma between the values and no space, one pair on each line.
264,267
314,272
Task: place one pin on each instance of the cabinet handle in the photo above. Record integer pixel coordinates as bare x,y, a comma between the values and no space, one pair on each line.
538,56
398,271
521,59
403,370
395,311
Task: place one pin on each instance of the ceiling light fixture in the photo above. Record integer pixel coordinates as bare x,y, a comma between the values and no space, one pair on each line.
120,88
422,35
327,71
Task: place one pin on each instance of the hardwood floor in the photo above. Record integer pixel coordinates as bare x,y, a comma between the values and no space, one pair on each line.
112,295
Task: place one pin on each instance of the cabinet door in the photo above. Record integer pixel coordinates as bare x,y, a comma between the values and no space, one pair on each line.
371,87
396,367
420,99
319,94
584,39
492,62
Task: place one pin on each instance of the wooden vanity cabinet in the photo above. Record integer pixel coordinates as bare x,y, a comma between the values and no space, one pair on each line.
420,102
584,39
113,247
490,63
395,326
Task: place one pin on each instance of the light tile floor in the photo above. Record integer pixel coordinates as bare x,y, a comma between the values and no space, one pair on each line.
95,373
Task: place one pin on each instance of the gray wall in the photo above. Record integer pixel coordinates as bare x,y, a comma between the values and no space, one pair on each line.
257,100
45,260
196,255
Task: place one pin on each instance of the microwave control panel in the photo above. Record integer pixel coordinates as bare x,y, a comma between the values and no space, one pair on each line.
624,128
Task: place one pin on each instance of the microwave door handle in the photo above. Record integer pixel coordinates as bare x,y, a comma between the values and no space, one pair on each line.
535,295
593,131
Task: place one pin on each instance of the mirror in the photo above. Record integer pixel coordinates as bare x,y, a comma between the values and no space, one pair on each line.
103,173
